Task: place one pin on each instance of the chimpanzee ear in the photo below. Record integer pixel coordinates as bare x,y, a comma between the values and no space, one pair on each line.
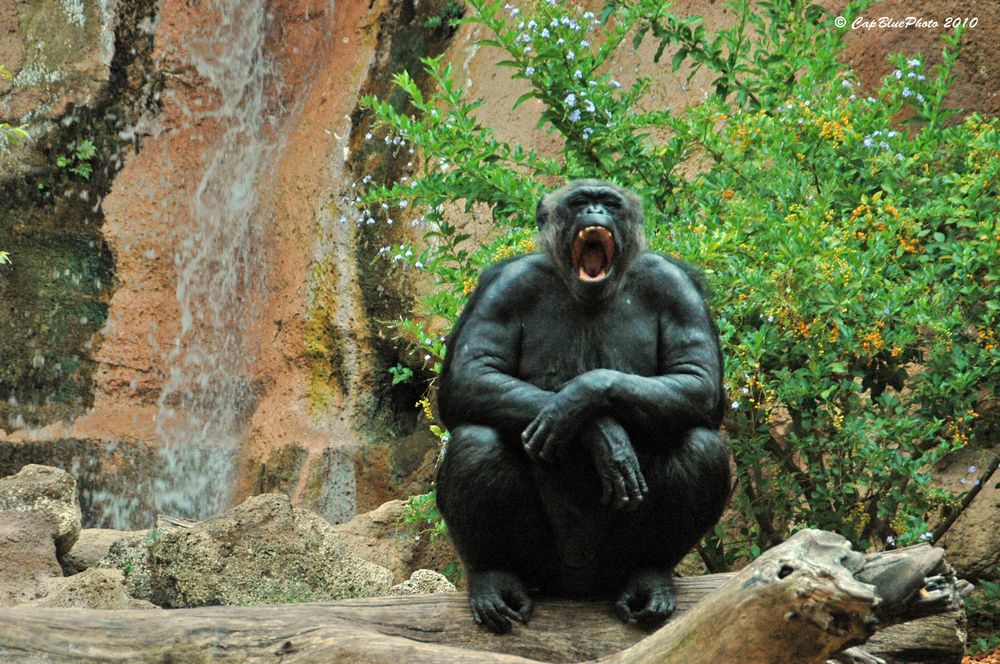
541,213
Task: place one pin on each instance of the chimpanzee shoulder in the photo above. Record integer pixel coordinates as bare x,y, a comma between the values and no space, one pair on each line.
508,286
670,282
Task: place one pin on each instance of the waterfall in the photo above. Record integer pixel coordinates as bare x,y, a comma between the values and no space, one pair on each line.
207,396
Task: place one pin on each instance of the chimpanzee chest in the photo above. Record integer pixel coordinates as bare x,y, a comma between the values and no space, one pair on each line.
569,340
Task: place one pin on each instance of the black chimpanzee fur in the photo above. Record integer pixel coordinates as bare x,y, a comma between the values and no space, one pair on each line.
583,391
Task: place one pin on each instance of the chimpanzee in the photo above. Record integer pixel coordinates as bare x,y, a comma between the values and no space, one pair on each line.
583,391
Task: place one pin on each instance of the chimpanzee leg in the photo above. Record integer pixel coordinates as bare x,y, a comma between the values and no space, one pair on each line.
489,501
688,489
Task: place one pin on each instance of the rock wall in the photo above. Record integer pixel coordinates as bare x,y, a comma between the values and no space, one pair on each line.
192,323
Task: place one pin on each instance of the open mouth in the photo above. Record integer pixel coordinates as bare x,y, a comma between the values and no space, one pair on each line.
593,250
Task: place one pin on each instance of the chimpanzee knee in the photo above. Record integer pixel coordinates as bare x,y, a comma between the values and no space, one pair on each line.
488,500
689,487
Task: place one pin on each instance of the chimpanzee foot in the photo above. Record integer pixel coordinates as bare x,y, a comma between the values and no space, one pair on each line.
497,598
648,597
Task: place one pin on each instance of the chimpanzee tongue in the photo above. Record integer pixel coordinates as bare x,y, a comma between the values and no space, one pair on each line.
593,260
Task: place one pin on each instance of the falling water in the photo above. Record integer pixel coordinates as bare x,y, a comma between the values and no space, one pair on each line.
207,396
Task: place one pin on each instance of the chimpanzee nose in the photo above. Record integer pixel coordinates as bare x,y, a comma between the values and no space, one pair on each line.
595,209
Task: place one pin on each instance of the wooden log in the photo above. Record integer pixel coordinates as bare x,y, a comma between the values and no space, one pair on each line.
801,602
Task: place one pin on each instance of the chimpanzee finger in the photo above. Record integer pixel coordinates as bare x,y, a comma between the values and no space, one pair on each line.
535,442
621,610
621,491
643,487
520,605
634,491
488,614
528,433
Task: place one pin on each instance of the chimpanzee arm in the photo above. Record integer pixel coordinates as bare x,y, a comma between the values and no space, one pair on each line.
686,392
479,383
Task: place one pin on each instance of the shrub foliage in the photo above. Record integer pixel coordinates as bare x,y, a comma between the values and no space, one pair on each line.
849,237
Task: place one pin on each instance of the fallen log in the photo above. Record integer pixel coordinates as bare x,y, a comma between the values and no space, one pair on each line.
803,601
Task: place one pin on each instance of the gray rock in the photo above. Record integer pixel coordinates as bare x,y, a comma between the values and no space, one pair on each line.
973,541
384,536
91,589
262,552
422,582
50,492
27,556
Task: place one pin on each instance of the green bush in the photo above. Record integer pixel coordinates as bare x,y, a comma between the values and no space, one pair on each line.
983,610
850,241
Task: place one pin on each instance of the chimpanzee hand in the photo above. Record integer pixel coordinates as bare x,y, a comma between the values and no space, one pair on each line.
562,418
616,463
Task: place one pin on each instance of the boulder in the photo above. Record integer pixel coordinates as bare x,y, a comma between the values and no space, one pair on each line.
385,537
50,492
27,556
92,545
91,589
973,541
422,582
262,552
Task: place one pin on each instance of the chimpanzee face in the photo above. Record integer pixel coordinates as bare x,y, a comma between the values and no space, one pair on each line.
592,231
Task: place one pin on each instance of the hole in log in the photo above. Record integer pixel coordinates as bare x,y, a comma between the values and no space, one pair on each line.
785,571
841,623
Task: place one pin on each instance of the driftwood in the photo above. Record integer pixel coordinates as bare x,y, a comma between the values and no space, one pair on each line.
802,601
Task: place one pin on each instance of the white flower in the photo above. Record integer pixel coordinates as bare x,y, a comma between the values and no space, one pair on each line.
529,71
574,116
570,100
913,63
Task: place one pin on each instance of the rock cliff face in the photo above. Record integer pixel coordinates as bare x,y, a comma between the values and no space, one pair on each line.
187,321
